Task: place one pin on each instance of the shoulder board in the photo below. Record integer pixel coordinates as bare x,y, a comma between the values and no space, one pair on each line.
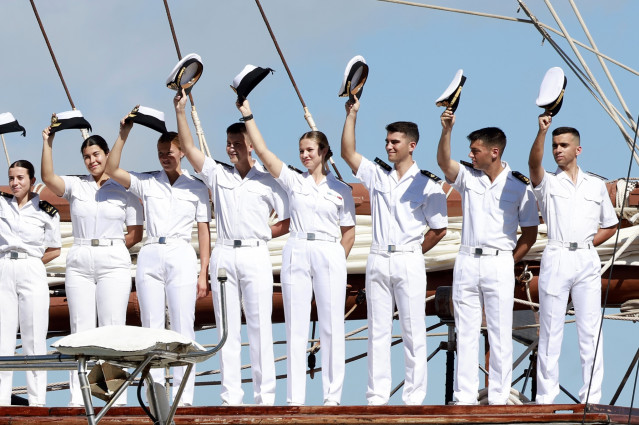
343,182
431,175
294,169
596,175
521,177
197,178
224,164
6,195
467,164
552,173
150,172
384,165
48,208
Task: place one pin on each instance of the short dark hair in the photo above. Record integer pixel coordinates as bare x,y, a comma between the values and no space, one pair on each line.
95,140
408,128
23,163
170,137
567,130
236,128
490,136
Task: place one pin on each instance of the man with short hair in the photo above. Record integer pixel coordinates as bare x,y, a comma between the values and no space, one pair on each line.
579,215
495,201
244,194
404,201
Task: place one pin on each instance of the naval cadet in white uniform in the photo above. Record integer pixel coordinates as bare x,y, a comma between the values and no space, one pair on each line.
29,238
404,201
495,201
244,194
322,228
98,266
579,215
167,269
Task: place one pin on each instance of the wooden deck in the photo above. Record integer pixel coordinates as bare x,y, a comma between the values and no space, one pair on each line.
527,414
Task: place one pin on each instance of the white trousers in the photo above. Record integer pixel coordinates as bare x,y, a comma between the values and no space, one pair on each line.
98,285
167,273
576,274
314,267
396,279
25,304
483,281
249,288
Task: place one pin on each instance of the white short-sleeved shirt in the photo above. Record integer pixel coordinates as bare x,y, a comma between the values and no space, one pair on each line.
574,213
401,209
492,211
243,205
171,210
317,208
100,212
28,229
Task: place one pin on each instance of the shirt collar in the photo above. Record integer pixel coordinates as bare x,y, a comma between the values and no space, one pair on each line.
411,172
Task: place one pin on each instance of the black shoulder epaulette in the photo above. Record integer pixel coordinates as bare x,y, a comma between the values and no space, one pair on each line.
597,175
467,164
521,177
431,176
6,195
294,169
48,208
224,164
343,182
384,165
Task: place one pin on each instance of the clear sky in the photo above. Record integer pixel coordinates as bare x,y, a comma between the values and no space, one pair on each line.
117,54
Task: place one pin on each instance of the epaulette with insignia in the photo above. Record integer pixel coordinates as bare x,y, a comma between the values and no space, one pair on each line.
384,165
48,208
295,169
431,175
597,175
6,195
467,164
224,164
521,177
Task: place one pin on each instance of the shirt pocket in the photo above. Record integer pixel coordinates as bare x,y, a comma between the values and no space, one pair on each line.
184,198
592,206
113,204
32,230
507,201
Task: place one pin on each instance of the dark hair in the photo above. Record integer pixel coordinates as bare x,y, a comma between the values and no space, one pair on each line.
408,128
95,140
23,163
567,130
490,136
236,128
321,140
170,137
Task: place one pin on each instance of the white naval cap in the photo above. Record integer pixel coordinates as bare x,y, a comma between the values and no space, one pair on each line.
68,120
8,124
186,73
450,97
355,76
148,117
551,91
248,79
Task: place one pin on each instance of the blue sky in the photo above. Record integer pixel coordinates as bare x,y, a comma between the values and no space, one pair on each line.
117,54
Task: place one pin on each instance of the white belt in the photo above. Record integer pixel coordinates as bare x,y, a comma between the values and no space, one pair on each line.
377,249
162,240
572,246
480,250
239,243
15,255
98,242
313,236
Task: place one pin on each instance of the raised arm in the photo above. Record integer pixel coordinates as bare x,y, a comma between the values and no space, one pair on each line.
349,154
537,150
49,177
195,156
449,166
272,163
113,169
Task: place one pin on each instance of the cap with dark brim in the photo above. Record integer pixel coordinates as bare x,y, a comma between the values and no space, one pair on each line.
355,76
148,117
551,91
186,73
248,79
68,120
450,97
8,124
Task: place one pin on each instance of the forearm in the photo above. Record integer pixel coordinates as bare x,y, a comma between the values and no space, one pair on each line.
535,158
49,178
603,234
349,152
348,238
50,254
113,164
447,165
195,156
431,238
525,242
204,243
280,228
133,235
272,163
